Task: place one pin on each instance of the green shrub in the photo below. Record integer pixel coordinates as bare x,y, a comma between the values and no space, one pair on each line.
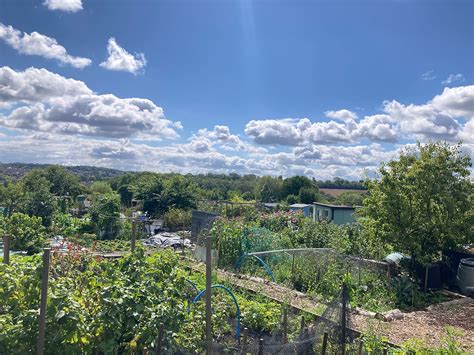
27,232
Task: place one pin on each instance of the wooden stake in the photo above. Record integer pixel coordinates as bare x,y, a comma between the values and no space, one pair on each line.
344,317
260,346
43,302
244,340
361,347
426,277
134,234
6,249
302,325
285,324
208,295
159,345
325,343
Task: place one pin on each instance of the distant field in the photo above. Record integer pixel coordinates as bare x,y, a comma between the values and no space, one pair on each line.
337,192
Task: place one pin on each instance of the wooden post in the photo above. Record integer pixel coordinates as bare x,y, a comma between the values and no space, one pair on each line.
426,277
159,344
302,325
208,295
6,249
43,302
260,346
344,317
134,234
325,343
385,351
293,269
244,340
285,324
361,347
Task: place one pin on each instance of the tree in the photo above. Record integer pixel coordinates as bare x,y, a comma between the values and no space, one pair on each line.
293,185
291,199
307,195
61,181
105,215
179,192
149,187
268,189
100,188
12,197
27,232
39,201
350,198
423,202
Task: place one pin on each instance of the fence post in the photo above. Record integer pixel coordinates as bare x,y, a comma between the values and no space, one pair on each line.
134,234
385,351
325,343
260,346
43,302
426,277
208,295
6,249
344,317
302,325
159,344
244,340
285,324
293,270
361,347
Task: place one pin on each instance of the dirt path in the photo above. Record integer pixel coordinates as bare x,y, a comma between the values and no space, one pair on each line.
427,325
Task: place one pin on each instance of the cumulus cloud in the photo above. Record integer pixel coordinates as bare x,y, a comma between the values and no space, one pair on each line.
35,43
452,78
342,115
294,132
276,132
52,103
440,118
64,5
120,60
37,85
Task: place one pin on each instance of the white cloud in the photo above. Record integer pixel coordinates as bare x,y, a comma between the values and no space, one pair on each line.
342,115
276,132
37,85
452,78
57,104
429,75
38,44
64,5
120,60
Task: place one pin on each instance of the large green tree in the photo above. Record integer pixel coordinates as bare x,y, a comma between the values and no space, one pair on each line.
293,185
268,189
422,203
105,215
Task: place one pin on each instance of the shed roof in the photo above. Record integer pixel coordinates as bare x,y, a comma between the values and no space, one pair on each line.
299,205
335,206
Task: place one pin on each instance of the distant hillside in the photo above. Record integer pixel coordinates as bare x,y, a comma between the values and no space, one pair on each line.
86,174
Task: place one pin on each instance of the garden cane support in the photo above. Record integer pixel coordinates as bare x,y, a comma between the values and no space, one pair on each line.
43,302
134,234
325,343
6,249
208,295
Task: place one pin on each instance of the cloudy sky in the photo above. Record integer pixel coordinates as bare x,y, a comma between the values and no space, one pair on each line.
281,87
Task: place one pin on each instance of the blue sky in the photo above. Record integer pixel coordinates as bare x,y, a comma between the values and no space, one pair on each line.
324,88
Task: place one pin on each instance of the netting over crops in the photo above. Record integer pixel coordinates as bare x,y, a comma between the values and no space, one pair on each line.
298,336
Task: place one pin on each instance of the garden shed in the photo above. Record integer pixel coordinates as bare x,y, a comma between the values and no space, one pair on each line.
337,214
305,208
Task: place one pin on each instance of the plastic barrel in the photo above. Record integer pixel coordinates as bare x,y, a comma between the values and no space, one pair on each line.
465,276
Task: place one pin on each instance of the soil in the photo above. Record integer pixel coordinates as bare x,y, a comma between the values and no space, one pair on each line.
428,325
